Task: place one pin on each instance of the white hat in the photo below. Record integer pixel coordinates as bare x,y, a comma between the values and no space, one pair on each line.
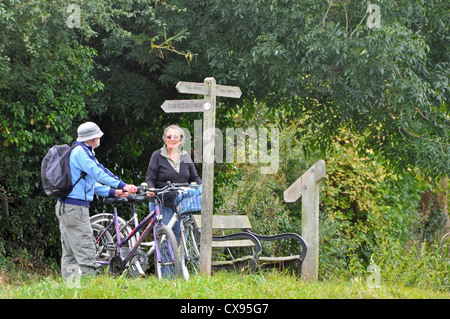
88,131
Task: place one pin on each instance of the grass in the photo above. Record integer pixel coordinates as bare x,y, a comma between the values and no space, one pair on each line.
222,285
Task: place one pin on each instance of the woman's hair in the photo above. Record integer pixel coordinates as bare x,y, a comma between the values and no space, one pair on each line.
176,127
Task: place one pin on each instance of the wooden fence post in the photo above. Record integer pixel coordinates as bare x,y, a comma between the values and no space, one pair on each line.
307,187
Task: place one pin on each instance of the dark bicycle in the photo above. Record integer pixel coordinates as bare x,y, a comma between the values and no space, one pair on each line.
103,220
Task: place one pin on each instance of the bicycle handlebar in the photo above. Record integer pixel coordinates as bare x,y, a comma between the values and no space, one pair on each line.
140,196
170,187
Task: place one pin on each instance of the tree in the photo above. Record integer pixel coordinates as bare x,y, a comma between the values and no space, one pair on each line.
321,59
119,60
138,63
49,74
45,76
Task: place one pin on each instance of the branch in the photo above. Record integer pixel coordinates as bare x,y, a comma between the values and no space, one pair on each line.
166,45
359,24
346,18
326,13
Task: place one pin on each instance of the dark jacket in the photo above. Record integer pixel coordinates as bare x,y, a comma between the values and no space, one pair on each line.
160,171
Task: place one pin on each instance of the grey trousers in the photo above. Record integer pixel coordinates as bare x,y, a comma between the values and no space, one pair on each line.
78,249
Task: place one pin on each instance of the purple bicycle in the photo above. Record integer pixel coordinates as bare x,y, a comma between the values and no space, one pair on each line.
113,241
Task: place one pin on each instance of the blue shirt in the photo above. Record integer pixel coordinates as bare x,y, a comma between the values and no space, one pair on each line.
99,180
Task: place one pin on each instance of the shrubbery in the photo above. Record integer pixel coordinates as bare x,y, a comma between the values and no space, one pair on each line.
367,213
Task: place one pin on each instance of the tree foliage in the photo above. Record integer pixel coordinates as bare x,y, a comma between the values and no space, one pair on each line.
363,205
45,76
321,59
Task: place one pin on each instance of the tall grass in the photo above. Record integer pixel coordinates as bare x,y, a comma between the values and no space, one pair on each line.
419,264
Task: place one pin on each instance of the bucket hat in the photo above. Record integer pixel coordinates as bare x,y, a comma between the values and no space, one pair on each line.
88,131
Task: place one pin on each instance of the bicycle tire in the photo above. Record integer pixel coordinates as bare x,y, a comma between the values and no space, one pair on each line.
105,219
167,268
190,248
102,239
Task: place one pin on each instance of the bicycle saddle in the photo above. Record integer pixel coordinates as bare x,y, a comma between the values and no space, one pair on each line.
135,198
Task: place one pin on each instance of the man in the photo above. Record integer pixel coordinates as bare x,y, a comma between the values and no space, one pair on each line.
78,249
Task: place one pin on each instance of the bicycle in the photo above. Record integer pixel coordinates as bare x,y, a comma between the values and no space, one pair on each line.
125,228
190,243
189,239
110,251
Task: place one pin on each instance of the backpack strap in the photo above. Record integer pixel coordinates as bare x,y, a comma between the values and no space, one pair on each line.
82,175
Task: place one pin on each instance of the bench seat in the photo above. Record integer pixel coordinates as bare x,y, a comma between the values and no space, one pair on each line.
242,236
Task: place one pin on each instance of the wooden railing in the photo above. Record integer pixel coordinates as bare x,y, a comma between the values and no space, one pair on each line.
307,188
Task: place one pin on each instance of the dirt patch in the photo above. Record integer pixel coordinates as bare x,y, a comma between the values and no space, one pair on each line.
3,279
19,271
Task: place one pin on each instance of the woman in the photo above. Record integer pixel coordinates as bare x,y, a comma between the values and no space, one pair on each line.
170,163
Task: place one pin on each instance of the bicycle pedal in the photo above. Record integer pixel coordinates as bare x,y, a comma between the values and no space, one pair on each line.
110,246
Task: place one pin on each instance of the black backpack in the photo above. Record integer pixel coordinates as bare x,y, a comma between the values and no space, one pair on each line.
55,171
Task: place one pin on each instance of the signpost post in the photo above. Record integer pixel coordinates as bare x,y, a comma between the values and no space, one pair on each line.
209,89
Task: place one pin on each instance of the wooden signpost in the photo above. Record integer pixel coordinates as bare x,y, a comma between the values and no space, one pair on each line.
209,89
307,187
180,106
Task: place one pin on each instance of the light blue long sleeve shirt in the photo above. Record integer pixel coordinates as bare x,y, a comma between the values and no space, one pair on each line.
99,180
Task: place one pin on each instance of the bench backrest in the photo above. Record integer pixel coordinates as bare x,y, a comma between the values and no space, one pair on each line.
226,222
222,222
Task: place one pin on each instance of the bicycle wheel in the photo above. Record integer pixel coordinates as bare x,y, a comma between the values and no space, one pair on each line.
106,219
104,244
190,248
167,260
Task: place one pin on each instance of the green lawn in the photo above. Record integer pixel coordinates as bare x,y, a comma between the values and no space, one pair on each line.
221,285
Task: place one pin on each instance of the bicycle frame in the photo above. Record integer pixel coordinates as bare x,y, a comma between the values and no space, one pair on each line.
152,219
177,216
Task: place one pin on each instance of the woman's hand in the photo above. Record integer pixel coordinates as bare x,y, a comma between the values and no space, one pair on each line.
150,194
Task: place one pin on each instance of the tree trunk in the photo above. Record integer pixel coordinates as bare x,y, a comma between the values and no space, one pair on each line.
5,206
443,201
434,209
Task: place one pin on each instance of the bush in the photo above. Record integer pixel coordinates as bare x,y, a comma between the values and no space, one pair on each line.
361,201
362,205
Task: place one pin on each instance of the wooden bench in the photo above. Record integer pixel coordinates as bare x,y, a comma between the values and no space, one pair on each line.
242,236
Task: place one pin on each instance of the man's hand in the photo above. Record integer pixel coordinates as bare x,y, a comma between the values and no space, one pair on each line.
120,193
130,189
